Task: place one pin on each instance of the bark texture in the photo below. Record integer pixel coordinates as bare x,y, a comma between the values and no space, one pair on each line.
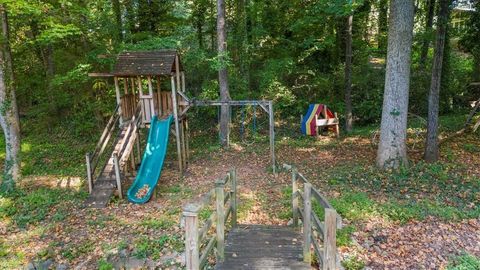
348,75
223,73
431,146
8,109
392,150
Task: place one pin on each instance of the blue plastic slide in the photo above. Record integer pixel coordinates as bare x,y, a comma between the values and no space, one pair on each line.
152,161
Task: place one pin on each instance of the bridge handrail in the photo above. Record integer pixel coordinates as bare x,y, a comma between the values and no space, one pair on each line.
198,243
320,235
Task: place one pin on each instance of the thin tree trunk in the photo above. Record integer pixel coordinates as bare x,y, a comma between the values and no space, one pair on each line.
118,18
392,149
428,29
348,75
9,113
431,145
382,24
223,73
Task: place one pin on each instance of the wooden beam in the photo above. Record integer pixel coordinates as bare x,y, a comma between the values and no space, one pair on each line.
119,101
220,196
272,135
177,128
192,246
100,75
307,226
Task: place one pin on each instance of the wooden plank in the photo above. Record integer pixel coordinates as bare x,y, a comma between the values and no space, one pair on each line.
330,248
177,128
318,225
89,173
202,233
263,247
220,197
318,251
190,214
272,135
294,197
206,252
233,174
307,226
117,175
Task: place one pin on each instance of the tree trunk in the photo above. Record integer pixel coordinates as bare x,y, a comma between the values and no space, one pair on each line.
9,113
431,145
348,75
392,149
223,73
118,18
428,29
382,24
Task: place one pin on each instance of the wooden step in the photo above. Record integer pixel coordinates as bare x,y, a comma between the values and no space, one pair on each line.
99,198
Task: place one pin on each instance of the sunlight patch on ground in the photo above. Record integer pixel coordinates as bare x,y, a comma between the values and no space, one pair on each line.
53,181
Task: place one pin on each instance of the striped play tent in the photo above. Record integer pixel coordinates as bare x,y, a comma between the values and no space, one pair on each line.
309,123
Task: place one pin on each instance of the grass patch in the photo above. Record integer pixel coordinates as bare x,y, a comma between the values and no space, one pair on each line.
464,262
152,248
104,265
161,223
31,207
74,251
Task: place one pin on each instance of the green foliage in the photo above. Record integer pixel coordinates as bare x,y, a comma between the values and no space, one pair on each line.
104,265
464,262
353,263
158,223
146,247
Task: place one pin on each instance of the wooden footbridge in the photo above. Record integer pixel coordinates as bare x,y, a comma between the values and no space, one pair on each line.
252,246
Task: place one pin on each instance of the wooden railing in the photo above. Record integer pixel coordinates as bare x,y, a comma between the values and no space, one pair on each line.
92,159
121,157
199,244
321,235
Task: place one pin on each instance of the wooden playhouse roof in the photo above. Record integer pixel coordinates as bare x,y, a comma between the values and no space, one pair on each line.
153,63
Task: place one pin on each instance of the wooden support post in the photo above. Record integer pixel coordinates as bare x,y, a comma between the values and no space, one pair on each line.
150,93
220,196
159,98
177,128
89,173
233,197
192,246
316,126
119,101
337,127
272,136
307,224
139,151
330,248
183,81
294,197
117,175
187,138
182,136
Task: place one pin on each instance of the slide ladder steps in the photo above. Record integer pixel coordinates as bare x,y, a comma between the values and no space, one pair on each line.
105,184
263,247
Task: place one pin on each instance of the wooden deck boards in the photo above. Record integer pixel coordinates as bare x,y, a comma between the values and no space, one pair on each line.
263,247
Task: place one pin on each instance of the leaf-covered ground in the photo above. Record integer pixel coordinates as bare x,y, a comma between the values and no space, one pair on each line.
423,217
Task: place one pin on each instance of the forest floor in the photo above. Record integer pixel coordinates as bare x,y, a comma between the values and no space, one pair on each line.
423,217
